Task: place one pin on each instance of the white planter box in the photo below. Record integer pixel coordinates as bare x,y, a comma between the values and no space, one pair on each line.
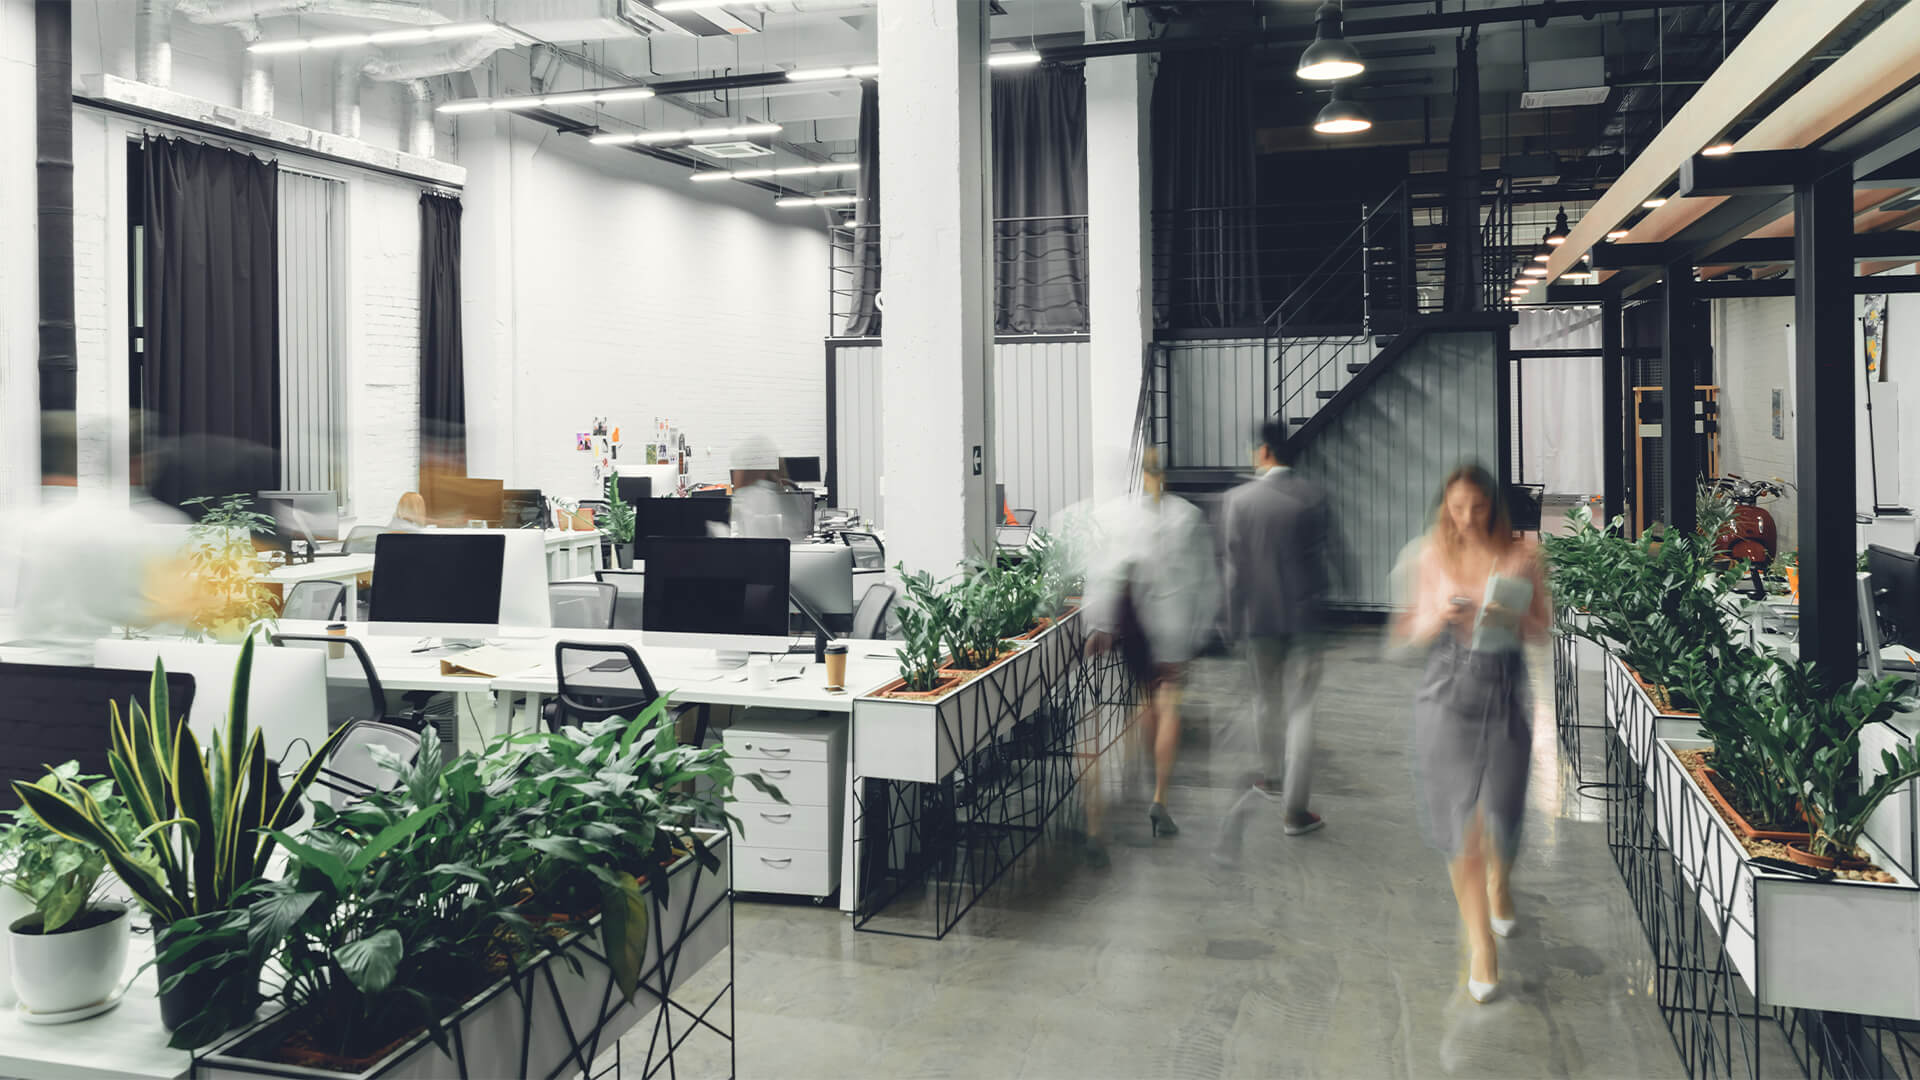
1843,946
1633,716
924,740
491,1036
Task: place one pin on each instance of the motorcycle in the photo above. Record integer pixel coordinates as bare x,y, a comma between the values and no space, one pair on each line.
1752,537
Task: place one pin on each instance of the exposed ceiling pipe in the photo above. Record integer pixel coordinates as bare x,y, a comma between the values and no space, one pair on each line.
346,94
228,11
256,84
463,55
419,117
153,42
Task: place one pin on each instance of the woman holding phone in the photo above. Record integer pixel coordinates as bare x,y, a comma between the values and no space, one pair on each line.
1479,594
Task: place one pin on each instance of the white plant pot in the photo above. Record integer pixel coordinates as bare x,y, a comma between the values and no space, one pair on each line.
13,905
72,969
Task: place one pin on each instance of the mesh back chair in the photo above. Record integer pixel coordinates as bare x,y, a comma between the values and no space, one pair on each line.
1024,517
629,584
868,552
354,692
870,617
581,605
315,600
361,539
352,770
1524,506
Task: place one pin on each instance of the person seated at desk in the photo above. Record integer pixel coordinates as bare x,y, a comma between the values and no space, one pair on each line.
410,513
758,509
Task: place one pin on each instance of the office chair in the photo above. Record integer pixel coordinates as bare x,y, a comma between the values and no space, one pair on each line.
1524,506
361,539
602,681
1024,517
348,703
868,552
870,616
627,605
582,605
315,600
352,772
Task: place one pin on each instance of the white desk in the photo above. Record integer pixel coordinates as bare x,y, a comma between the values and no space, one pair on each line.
572,553
345,569
127,1041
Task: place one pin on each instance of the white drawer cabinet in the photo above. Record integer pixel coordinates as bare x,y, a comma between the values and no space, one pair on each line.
793,846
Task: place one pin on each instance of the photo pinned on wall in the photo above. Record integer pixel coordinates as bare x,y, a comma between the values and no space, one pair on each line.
583,441
1873,326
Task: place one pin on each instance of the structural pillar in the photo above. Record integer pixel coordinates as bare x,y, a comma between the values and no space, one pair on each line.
936,424
1119,241
1678,441
1613,429
1824,459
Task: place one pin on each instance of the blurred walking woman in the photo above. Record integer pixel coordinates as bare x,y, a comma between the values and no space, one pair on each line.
1479,594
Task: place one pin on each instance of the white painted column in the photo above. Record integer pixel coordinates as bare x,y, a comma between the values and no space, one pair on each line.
488,300
1119,242
936,424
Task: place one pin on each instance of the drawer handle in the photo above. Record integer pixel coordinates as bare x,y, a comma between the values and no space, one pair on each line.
779,863
783,751
777,819
776,774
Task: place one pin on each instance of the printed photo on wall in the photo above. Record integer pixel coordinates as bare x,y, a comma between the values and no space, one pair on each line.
583,441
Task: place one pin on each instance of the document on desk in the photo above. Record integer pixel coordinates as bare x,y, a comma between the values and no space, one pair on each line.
486,662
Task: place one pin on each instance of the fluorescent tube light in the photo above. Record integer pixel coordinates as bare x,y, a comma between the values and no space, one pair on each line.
818,200
1023,58
861,71
790,170
649,138
668,7
411,36
542,101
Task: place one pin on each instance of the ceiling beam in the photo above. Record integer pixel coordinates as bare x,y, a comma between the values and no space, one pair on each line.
1732,290
1893,244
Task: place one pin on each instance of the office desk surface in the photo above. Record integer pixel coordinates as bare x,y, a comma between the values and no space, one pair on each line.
328,568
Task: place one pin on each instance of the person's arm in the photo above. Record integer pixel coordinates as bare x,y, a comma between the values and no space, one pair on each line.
1236,550
1431,610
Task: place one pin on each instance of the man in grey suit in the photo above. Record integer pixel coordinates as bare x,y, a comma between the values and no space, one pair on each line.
1277,535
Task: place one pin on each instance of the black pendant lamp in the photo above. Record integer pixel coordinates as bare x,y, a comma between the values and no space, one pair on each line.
1342,115
1330,57
1558,235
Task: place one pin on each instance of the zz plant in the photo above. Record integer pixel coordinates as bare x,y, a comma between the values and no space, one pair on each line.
1813,739
923,620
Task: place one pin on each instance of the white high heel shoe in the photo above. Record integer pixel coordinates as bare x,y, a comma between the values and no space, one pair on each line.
1480,992
1502,927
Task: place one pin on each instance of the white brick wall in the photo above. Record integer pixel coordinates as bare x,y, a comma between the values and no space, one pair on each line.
383,373
1751,359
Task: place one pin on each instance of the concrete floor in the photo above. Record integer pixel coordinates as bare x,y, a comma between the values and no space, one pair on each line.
1330,955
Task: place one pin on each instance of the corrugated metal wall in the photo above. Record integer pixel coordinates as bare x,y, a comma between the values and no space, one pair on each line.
1220,390
1381,462
1041,426
312,417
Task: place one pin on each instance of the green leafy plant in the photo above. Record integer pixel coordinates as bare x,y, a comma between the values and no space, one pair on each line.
1812,737
59,876
1737,694
231,602
1791,560
620,519
923,617
1713,510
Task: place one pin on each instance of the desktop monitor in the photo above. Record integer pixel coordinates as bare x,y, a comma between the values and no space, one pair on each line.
523,508
822,578
801,470
724,593
1895,580
635,489
303,514
50,713
438,577
684,518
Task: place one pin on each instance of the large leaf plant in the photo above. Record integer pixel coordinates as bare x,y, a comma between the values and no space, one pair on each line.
1812,737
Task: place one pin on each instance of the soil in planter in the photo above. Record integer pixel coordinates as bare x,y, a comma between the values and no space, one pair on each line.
85,920
1662,697
897,689
1697,761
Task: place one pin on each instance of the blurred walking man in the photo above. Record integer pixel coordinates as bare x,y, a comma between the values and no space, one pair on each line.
1276,536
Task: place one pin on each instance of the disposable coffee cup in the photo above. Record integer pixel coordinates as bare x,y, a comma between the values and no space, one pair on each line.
759,672
837,666
336,651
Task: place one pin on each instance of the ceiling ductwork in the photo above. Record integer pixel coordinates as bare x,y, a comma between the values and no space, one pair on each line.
233,11
463,55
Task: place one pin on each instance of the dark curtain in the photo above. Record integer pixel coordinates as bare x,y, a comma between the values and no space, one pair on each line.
443,384
1463,285
211,377
1040,201
1205,248
863,315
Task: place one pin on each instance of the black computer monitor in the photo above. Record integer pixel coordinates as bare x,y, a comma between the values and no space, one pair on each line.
681,517
726,593
52,713
523,508
1895,580
801,470
439,576
635,489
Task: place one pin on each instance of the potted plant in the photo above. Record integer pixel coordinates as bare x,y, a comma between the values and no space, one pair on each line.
620,523
68,951
1738,696
231,602
922,617
204,827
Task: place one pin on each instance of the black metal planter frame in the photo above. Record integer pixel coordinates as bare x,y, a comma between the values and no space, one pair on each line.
674,1021
952,840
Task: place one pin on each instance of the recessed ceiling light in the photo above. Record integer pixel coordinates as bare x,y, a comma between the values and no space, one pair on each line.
1655,203
1535,271
1617,234
1542,257
1718,150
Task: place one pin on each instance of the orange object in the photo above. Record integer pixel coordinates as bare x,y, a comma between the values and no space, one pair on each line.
1793,583
1007,512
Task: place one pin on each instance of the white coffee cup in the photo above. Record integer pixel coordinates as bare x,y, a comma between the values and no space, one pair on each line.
759,671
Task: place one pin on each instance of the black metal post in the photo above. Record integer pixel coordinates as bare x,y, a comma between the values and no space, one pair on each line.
1824,462
1613,431
53,175
1678,444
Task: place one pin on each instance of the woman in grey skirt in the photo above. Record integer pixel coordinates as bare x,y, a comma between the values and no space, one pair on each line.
1479,594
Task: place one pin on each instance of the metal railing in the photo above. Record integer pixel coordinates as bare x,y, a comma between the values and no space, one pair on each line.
1040,274
1221,267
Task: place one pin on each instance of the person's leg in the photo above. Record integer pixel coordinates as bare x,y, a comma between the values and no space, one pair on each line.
1499,886
1166,744
1302,681
1265,662
1469,873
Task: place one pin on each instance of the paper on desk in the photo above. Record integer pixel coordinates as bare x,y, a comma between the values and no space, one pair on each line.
486,662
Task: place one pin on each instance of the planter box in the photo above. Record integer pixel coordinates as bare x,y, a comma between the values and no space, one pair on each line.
922,740
1634,717
1837,945
569,1016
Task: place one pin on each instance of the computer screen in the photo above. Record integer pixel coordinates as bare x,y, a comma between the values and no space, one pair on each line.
50,713
721,593
303,513
1895,578
523,508
822,578
801,470
437,577
680,517
635,489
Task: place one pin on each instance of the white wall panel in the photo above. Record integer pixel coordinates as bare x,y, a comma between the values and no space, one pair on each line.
856,410
312,416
